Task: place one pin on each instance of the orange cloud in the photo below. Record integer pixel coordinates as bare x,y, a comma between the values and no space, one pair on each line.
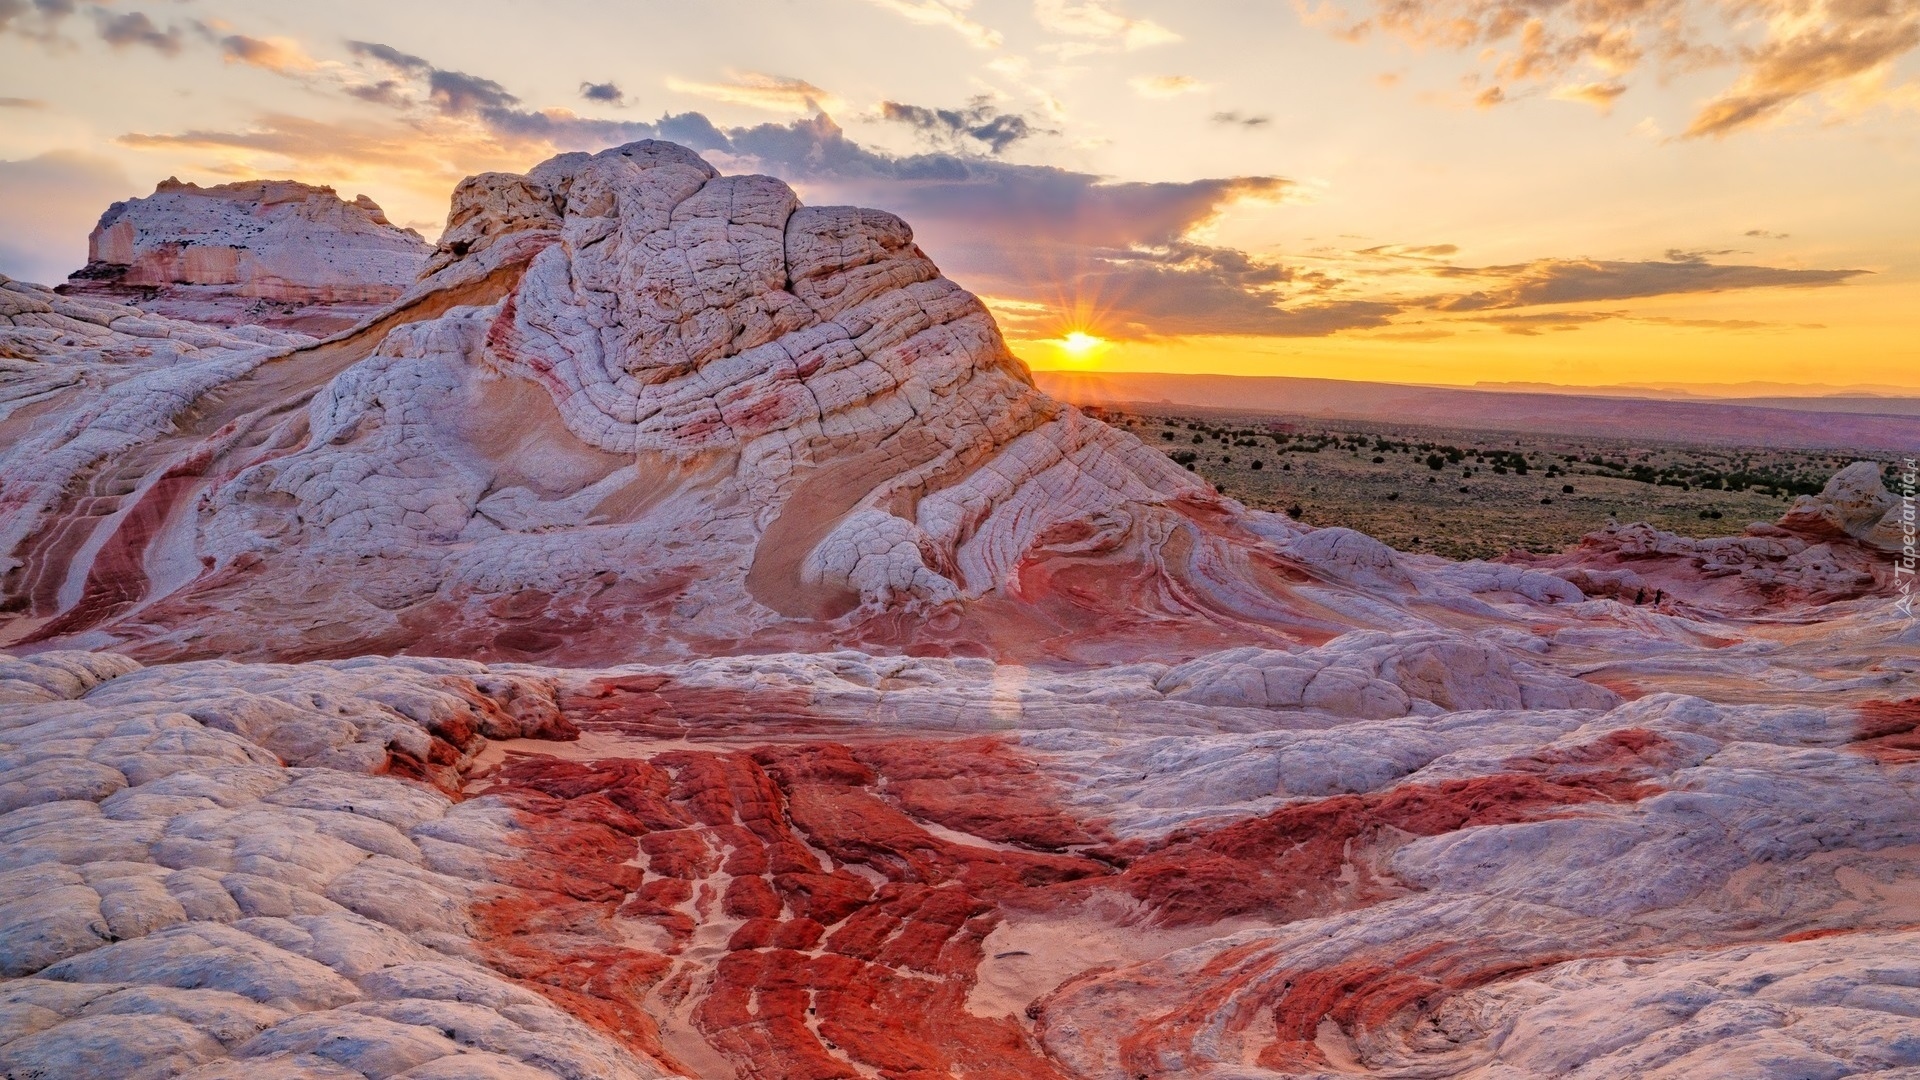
283,56
1785,50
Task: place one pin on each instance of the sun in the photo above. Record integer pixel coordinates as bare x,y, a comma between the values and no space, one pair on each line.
1079,343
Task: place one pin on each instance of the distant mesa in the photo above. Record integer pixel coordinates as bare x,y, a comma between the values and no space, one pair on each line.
273,253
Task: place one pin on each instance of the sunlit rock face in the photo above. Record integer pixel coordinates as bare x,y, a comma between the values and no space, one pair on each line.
263,252
632,405
890,719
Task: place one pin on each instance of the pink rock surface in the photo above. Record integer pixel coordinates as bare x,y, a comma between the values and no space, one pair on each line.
903,866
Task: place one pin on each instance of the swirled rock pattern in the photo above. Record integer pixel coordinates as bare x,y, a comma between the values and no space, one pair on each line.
889,718
637,405
846,865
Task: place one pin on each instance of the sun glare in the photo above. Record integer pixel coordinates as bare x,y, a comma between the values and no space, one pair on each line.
1078,343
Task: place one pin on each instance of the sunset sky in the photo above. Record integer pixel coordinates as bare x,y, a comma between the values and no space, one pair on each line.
1582,192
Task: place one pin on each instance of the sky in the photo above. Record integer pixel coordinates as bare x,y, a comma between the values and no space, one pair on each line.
1582,192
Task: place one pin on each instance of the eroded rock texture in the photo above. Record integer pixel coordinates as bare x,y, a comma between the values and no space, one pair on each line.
635,405
911,724
820,865
272,253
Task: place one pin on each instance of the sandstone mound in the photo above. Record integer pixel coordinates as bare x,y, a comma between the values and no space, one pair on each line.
635,404
266,252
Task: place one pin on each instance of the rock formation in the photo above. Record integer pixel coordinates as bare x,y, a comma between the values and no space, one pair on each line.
1826,547
635,405
274,253
891,719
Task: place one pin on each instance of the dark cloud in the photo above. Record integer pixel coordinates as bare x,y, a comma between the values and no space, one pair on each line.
980,121
1113,256
401,62
1763,234
1242,120
385,92
605,93
472,97
135,28
1575,281
457,93
21,103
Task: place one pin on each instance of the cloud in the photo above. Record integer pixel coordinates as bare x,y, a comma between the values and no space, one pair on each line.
1575,281
1600,95
416,82
135,28
1097,19
35,20
1763,234
1854,39
47,206
605,93
309,143
1784,50
281,55
400,62
1166,86
981,121
1116,258
1410,251
457,93
1532,325
21,103
950,14
774,93
1249,121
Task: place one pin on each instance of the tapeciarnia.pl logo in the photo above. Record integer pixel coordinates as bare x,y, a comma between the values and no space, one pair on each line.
1903,567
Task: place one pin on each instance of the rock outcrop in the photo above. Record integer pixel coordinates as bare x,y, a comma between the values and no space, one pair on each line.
1827,547
892,719
275,253
633,404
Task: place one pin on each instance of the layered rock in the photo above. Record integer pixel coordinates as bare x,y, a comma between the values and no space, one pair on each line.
264,252
635,404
